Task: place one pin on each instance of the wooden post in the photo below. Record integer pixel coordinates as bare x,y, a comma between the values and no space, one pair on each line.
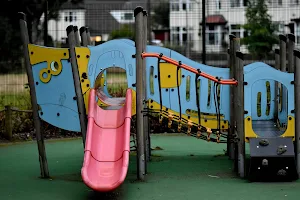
276,94
290,49
8,122
78,92
146,118
88,36
282,52
84,41
297,108
37,123
77,41
283,68
240,113
233,47
139,35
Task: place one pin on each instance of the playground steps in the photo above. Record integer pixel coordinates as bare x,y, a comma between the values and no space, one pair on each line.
266,128
272,159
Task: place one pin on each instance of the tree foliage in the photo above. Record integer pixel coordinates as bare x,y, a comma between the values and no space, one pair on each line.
161,12
10,43
126,31
260,28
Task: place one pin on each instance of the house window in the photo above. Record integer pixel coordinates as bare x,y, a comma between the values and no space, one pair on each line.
218,4
175,35
192,5
212,35
235,3
70,16
128,16
175,5
236,30
184,34
279,27
294,2
275,3
179,35
182,5
212,38
66,17
298,33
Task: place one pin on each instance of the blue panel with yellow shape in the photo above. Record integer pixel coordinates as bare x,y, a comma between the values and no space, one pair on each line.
256,76
115,53
54,84
152,64
263,103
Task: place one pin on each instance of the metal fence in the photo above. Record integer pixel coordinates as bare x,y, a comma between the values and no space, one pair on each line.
174,24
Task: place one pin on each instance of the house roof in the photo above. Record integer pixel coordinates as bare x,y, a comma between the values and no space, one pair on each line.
71,6
99,19
296,19
215,19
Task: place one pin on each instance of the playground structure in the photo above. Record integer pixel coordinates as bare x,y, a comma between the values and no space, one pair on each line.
255,104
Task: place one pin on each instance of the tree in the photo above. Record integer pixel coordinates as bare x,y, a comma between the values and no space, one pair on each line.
261,30
10,43
161,17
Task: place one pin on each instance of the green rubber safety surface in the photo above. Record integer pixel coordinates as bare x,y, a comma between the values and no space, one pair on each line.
184,168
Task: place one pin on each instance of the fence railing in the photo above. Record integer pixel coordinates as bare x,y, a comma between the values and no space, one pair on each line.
8,112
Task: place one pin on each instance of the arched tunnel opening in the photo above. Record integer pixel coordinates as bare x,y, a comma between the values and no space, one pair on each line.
111,85
269,108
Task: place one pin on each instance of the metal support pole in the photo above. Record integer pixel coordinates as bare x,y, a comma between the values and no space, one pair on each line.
297,110
46,24
78,91
290,49
276,95
203,33
84,41
88,36
187,46
77,41
146,118
233,47
37,123
149,28
139,35
240,113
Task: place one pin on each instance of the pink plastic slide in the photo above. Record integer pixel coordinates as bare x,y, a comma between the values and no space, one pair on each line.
106,155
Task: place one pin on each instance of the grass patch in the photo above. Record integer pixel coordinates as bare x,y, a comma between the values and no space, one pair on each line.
12,83
116,82
117,90
19,100
13,91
